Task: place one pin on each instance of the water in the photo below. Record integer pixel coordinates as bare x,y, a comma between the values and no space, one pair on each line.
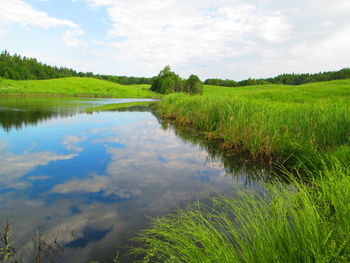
92,180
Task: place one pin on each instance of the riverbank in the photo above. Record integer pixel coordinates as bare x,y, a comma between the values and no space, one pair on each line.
305,128
74,87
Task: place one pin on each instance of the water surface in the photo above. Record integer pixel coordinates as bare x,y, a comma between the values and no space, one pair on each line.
92,180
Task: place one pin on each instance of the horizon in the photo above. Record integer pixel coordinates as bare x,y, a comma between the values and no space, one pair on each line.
213,39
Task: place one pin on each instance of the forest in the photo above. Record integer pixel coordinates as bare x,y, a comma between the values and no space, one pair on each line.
22,68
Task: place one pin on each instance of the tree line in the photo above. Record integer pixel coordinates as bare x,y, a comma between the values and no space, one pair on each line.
168,82
287,79
22,68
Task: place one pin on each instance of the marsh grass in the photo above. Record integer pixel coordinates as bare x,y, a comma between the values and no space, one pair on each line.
288,223
276,123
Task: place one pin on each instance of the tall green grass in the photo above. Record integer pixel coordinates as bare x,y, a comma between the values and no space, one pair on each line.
288,223
280,124
84,87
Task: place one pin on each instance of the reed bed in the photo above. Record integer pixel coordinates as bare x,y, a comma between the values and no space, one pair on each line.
284,125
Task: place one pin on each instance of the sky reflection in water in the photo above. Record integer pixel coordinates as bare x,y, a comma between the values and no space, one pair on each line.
98,175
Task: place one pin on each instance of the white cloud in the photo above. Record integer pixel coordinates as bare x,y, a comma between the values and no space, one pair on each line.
17,11
231,39
97,3
161,32
71,38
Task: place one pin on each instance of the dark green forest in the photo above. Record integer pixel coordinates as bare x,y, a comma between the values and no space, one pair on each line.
22,68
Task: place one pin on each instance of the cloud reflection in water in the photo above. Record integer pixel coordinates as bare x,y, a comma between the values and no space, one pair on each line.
116,171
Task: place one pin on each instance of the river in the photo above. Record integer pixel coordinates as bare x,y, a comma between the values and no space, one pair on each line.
92,180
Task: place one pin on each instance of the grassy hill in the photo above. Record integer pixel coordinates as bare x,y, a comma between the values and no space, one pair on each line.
75,86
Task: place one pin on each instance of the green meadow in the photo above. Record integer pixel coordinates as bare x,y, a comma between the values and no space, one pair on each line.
305,132
74,86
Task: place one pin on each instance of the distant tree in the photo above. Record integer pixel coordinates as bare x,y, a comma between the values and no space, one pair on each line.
194,85
167,82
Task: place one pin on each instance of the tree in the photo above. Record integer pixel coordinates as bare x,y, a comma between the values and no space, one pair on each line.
167,82
194,85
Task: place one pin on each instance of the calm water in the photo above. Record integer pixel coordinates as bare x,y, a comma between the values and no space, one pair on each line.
92,179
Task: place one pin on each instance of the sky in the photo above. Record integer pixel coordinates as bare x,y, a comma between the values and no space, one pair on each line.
230,39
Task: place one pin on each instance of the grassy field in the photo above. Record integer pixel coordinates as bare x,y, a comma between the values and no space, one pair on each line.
82,87
305,128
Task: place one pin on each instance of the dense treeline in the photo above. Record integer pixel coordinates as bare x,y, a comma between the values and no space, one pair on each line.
23,68
288,79
168,82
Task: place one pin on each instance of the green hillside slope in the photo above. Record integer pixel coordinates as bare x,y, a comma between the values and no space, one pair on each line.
75,86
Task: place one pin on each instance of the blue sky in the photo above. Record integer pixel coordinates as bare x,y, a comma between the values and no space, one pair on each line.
233,39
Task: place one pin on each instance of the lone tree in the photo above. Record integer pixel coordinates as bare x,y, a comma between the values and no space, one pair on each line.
168,82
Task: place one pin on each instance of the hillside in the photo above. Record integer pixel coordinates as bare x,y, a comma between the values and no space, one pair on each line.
75,86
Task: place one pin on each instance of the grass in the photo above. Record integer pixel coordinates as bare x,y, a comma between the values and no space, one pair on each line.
306,126
76,87
274,122
302,223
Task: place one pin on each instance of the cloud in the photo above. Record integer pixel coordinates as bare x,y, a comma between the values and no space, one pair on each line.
17,11
97,3
229,39
71,38
158,32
